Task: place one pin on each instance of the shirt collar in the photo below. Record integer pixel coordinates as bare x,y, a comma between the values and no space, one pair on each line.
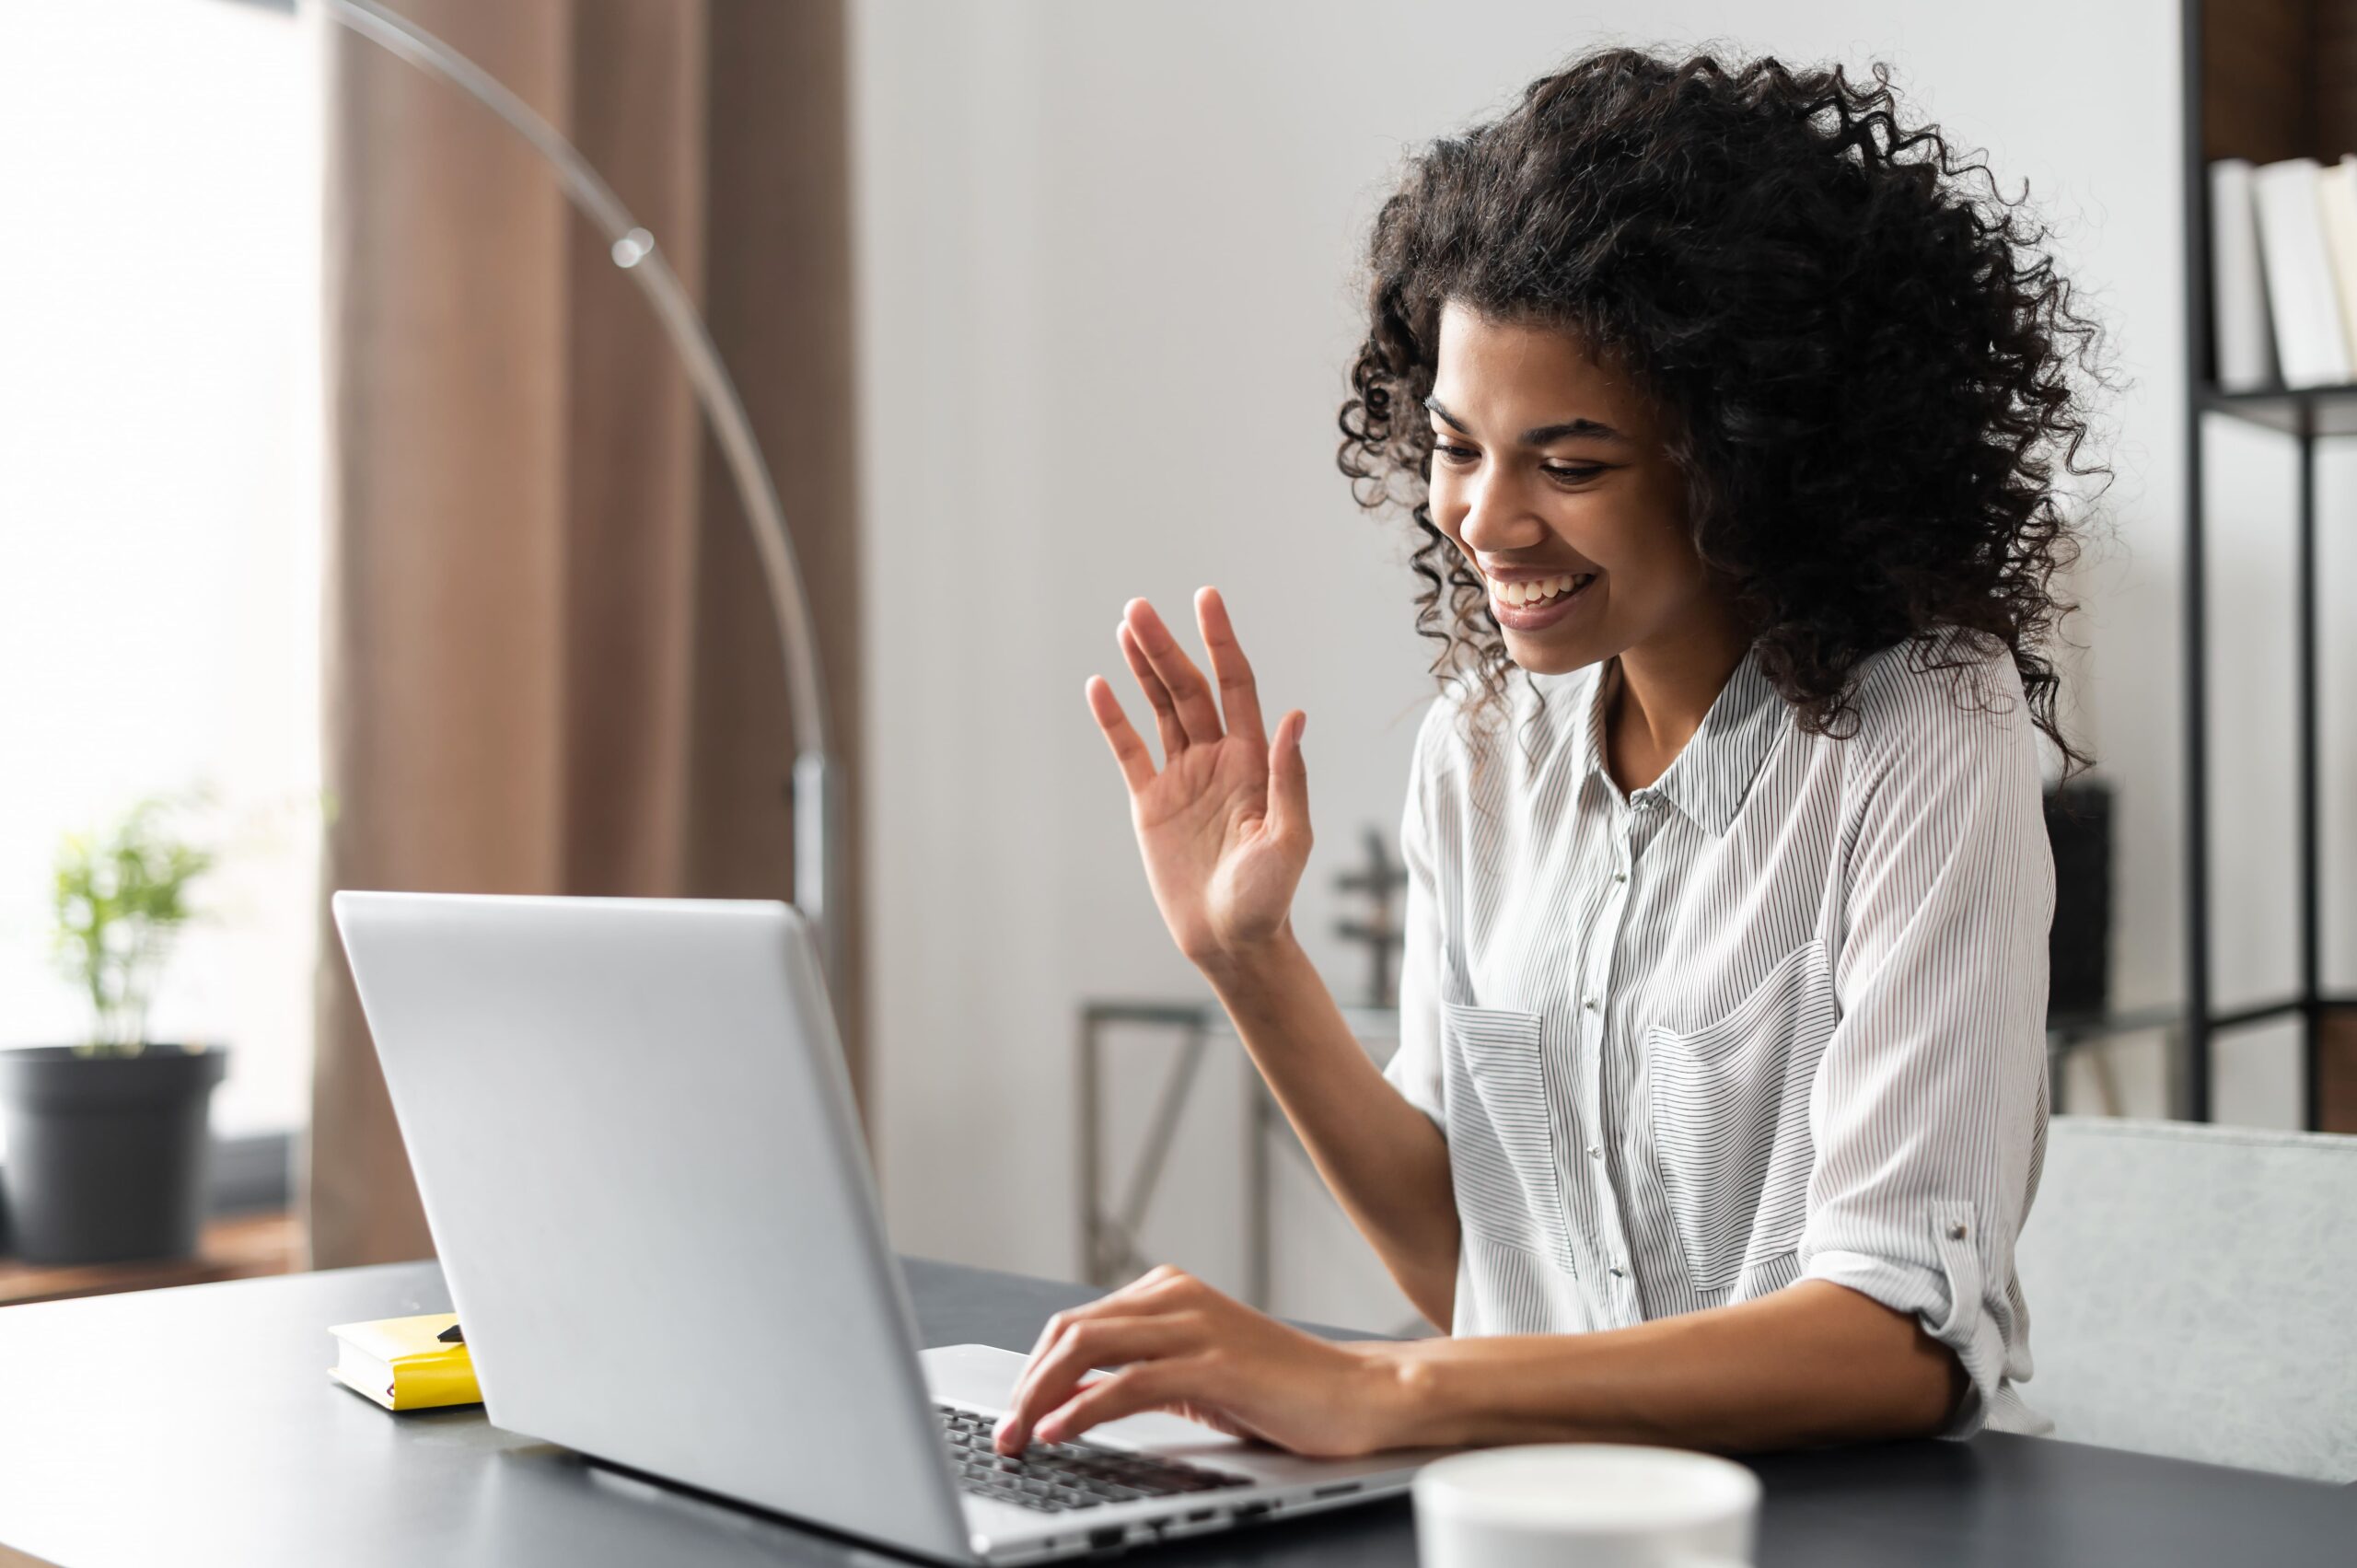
1709,779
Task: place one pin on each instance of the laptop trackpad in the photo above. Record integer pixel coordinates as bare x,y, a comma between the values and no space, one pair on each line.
984,1375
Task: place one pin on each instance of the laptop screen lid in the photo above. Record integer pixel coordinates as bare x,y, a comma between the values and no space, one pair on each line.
633,1137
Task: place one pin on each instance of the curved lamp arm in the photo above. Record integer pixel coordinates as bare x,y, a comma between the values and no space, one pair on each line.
816,824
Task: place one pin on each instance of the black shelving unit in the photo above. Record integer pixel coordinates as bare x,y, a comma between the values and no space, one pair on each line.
2261,82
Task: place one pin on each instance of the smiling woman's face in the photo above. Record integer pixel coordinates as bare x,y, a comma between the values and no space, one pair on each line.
1548,474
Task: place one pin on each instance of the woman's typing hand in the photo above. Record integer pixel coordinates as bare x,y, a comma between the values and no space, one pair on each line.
1224,824
1183,1347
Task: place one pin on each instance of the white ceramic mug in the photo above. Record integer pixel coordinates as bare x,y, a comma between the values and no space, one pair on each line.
1584,1505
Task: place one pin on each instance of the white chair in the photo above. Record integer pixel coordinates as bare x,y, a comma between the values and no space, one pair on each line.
2192,1291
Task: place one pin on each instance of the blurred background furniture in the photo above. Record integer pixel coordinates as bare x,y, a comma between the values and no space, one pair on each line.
2190,1291
229,1246
2263,80
1112,1224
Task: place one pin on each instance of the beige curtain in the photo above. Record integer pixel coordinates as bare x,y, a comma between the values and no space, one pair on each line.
551,665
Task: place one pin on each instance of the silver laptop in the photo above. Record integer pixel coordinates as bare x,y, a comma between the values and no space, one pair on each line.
633,1136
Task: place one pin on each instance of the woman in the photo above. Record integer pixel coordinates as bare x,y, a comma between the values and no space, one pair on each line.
1730,411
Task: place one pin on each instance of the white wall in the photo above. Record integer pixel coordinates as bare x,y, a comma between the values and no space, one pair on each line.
1107,262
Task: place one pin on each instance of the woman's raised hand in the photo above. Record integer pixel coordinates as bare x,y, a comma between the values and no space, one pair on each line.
1224,825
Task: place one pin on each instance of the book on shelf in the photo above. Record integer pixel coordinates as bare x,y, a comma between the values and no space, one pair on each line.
2238,285
2311,344
2337,208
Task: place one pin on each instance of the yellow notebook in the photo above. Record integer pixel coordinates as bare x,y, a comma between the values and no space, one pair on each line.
399,1363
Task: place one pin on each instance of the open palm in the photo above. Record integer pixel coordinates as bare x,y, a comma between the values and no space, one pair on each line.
1224,824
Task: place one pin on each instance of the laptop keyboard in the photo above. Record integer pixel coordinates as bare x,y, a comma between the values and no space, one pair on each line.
1053,1477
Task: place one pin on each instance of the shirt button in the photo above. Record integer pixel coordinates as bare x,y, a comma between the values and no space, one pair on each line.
1620,876
1595,1151
1589,1003
1619,1272
1955,1232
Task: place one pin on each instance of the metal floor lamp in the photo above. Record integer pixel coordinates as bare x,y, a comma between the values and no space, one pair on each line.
817,824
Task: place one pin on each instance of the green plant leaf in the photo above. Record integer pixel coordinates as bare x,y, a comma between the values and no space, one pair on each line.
117,899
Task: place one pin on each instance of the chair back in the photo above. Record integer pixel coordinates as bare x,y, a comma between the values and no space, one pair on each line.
2192,1291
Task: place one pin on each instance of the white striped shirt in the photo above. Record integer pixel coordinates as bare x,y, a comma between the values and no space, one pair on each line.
1778,1015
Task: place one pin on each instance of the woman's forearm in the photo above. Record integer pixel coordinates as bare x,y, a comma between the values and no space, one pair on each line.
1382,1158
1814,1363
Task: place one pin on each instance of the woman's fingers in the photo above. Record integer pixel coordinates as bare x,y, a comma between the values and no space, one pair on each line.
1166,712
1129,750
1083,1347
1189,692
1239,698
1143,1385
1160,1288
1289,781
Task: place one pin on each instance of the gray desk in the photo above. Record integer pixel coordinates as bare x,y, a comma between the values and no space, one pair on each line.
198,1426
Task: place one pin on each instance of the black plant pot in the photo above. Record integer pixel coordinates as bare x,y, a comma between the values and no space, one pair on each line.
105,1154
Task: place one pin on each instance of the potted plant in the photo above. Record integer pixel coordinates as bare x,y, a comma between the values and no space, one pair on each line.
107,1140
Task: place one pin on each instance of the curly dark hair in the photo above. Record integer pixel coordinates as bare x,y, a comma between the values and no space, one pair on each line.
1868,367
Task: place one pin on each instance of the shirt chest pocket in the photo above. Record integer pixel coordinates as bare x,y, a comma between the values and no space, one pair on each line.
1501,1129
1729,1115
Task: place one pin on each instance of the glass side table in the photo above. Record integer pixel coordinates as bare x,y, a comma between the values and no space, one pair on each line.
1110,1223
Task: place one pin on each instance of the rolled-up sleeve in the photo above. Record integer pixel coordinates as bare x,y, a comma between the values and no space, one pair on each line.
1415,1068
1929,1104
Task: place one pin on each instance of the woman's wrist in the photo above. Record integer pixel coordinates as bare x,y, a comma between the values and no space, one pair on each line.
1406,1399
1253,967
